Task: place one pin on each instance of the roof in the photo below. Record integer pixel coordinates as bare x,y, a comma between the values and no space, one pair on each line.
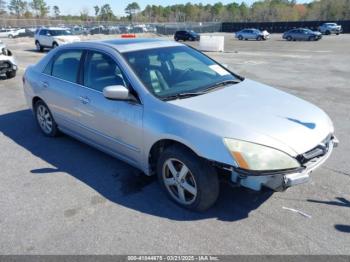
135,44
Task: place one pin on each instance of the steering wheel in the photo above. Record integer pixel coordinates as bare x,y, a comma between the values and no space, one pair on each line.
185,72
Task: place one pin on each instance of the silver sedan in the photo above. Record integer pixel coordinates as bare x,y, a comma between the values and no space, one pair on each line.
170,110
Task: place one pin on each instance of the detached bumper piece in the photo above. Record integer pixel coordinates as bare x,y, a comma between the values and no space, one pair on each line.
7,66
283,180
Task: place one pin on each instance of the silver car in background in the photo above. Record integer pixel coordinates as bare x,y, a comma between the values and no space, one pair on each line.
252,34
302,34
329,28
168,109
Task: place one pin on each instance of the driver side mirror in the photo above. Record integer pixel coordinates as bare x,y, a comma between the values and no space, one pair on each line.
117,92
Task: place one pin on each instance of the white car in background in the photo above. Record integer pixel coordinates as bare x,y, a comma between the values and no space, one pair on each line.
8,64
53,37
8,33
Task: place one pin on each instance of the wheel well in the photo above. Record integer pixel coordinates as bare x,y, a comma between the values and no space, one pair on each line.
35,100
158,148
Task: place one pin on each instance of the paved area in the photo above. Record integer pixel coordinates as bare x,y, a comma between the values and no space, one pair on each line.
59,196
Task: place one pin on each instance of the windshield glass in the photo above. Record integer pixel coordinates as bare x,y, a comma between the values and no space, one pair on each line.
59,32
176,70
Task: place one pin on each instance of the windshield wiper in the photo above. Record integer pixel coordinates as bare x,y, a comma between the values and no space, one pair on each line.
182,95
205,91
221,83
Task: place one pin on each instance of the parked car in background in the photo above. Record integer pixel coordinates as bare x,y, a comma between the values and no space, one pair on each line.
186,35
79,30
25,32
252,34
53,37
8,64
302,34
330,28
189,122
8,33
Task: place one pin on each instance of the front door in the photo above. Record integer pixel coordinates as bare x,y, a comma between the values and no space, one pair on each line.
116,126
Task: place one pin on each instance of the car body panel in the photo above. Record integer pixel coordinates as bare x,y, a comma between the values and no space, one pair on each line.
330,28
247,111
302,34
251,33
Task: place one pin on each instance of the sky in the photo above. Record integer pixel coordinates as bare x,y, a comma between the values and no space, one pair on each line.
74,7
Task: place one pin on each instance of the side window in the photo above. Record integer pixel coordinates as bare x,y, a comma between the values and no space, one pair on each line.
66,65
101,71
48,68
43,32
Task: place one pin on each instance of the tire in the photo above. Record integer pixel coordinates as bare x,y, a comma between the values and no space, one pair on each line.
54,45
259,38
312,38
328,32
10,36
39,47
337,33
199,185
43,118
289,38
176,39
240,37
11,74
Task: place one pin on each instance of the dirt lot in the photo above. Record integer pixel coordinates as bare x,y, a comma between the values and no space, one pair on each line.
59,196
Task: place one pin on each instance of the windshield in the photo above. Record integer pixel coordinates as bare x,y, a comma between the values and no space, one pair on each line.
177,70
59,32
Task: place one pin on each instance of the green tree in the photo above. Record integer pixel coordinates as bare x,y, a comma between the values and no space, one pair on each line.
40,8
56,11
2,7
132,9
17,7
97,10
106,13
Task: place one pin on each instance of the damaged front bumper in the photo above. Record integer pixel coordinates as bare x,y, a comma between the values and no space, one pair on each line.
281,180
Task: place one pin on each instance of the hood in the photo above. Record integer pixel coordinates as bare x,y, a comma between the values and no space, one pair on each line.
317,33
256,108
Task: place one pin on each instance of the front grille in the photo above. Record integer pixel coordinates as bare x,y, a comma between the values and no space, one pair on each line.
316,152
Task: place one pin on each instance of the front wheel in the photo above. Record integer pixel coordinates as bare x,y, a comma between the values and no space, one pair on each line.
289,38
312,38
188,180
11,74
259,38
240,37
45,119
54,45
38,46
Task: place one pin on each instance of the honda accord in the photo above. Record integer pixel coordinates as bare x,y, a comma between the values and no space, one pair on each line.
170,110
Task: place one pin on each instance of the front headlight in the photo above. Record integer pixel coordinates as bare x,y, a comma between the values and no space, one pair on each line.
256,157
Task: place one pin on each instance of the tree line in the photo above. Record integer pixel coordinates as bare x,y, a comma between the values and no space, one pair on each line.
259,11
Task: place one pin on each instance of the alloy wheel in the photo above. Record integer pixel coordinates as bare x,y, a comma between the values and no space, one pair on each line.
44,119
179,181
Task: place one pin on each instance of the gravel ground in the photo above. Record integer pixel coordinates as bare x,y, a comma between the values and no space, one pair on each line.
59,196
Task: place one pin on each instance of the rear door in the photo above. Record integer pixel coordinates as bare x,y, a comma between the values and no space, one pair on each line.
60,88
115,126
43,37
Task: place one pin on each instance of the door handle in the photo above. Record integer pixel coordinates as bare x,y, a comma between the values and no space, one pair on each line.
84,100
45,84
